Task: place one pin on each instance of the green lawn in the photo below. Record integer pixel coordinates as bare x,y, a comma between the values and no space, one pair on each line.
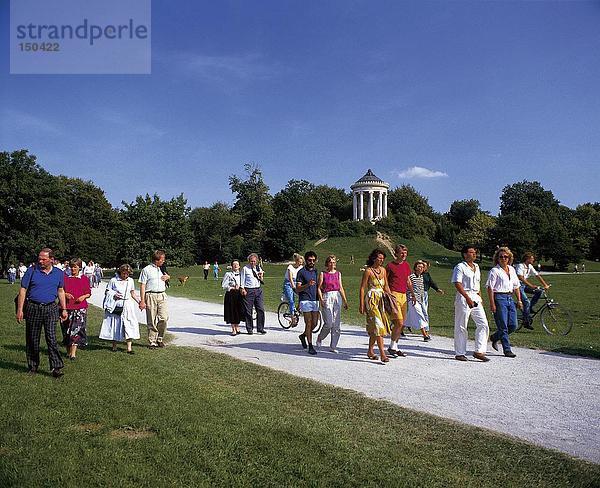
187,417
577,292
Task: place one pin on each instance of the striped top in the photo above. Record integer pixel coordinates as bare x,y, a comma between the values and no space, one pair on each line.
418,287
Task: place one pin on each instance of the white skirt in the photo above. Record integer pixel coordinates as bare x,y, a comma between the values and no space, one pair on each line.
121,327
417,316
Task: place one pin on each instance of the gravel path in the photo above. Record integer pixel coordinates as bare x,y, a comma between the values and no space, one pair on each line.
545,398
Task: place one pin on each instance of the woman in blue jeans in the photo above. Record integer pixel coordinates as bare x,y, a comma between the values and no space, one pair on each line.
502,284
289,284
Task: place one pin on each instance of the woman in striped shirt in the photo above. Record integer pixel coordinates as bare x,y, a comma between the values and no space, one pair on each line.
417,311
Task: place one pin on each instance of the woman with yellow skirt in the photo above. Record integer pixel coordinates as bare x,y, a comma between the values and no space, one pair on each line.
372,287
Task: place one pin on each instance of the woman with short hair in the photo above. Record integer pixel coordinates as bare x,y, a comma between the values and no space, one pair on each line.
77,291
233,307
120,312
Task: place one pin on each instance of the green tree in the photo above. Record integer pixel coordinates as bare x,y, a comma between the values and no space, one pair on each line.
461,211
213,230
150,223
299,214
252,207
28,208
405,197
477,231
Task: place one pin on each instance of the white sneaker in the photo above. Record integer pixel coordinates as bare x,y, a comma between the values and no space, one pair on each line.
333,350
318,343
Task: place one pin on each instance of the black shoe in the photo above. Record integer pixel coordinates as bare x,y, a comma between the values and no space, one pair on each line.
72,358
409,329
130,352
402,334
311,350
57,373
494,344
528,325
263,332
426,338
303,341
392,352
32,371
461,357
250,332
510,354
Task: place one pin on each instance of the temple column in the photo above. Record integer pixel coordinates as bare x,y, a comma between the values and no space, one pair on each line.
371,205
354,209
385,204
361,214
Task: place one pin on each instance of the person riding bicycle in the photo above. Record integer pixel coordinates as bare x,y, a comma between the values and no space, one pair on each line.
525,270
289,285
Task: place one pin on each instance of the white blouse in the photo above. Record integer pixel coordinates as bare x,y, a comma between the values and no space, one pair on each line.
230,280
500,282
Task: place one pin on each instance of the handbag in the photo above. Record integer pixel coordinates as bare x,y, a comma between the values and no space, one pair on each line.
118,310
390,304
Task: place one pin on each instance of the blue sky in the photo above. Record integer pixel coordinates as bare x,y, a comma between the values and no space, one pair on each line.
474,95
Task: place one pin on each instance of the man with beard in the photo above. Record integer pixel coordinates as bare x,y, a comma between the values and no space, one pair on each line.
306,286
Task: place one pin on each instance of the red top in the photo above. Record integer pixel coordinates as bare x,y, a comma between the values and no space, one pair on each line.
77,287
398,274
331,281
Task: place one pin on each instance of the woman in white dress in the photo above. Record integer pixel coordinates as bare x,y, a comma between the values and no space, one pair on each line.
417,315
120,310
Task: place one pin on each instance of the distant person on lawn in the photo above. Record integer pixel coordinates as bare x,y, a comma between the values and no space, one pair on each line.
206,269
525,270
41,285
153,299
466,278
306,286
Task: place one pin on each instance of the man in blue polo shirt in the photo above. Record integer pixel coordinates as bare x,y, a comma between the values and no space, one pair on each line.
40,287
306,286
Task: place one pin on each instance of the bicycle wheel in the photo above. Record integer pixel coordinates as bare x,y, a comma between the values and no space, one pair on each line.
556,320
317,327
284,316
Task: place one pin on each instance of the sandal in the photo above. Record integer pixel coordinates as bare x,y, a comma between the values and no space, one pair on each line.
373,357
385,359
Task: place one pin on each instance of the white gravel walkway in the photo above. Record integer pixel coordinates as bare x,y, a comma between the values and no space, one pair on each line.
545,398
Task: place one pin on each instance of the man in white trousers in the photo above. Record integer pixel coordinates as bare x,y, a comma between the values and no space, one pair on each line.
467,279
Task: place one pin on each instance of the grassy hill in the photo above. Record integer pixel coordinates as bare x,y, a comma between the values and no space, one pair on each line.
577,292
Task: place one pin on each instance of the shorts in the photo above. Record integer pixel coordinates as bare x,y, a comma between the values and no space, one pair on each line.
309,306
402,306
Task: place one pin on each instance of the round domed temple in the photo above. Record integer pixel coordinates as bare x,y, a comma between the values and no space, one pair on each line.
370,192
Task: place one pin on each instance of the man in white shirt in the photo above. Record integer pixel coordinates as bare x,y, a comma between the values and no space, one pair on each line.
525,270
251,277
154,299
467,303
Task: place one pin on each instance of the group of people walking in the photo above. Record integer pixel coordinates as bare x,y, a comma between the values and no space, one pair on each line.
391,297
43,284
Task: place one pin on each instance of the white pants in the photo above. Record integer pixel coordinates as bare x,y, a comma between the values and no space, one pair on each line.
331,317
462,312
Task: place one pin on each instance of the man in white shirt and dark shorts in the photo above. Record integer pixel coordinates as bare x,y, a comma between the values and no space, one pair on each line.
525,271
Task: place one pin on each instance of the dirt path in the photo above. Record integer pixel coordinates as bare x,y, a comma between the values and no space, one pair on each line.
549,399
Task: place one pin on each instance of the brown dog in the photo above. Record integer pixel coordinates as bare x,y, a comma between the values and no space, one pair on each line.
183,280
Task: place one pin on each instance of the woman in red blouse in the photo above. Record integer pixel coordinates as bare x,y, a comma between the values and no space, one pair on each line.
77,291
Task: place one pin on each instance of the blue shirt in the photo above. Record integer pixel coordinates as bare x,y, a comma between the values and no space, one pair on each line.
302,278
42,287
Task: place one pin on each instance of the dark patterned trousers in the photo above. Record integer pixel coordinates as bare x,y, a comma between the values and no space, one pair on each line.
36,317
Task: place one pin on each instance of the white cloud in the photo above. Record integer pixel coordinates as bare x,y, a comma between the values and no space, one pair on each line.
18,119
420,172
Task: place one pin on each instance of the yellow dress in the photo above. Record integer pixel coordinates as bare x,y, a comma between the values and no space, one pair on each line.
378,322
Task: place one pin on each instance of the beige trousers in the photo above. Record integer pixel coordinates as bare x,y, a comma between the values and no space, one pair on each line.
157,314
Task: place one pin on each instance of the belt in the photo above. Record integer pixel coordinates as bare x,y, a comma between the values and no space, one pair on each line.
154,292
40,303
503,292
251,287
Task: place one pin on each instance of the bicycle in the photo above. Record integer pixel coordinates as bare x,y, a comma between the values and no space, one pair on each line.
287,320
555,319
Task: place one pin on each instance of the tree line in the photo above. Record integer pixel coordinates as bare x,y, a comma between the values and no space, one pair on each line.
74,217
